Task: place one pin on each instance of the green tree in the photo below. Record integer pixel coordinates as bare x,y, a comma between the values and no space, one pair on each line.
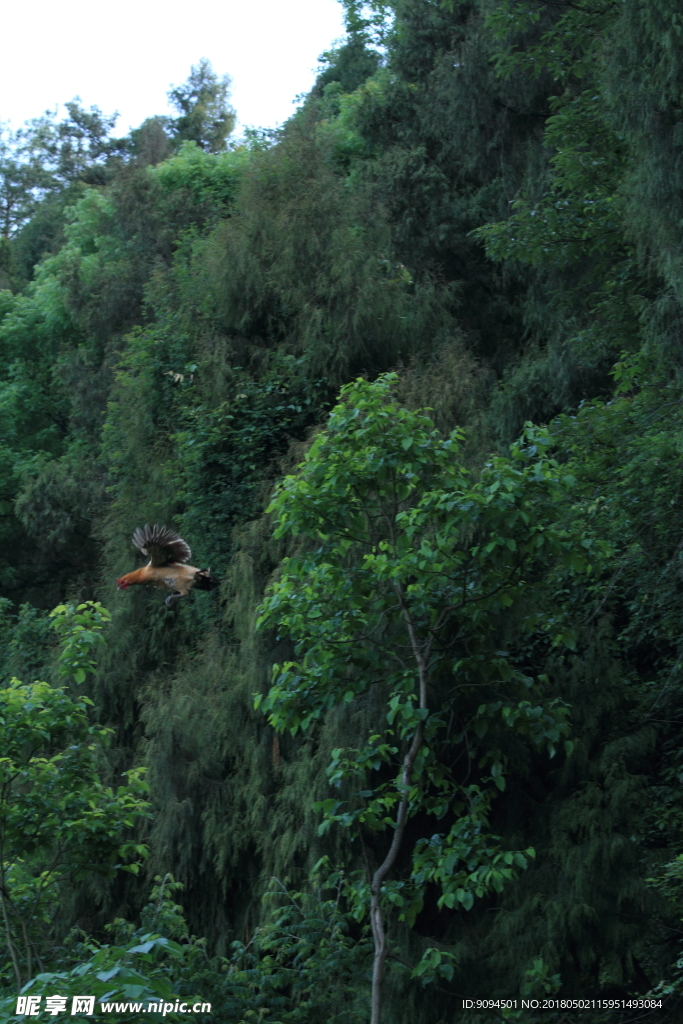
404,594
76,148
47,154
22,179
57,818
205,116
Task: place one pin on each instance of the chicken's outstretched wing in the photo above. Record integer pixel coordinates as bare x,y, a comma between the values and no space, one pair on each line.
161,545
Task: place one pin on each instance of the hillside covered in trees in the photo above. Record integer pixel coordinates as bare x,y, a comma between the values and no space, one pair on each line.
407,374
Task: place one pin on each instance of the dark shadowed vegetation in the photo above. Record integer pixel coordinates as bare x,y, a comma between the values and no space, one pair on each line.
407,374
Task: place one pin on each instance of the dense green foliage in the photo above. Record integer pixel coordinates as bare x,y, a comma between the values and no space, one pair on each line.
58,822
438,316
413,586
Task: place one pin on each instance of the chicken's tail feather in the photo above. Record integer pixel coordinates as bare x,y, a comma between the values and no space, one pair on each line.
203,580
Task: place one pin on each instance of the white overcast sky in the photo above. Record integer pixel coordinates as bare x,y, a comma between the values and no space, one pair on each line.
125,55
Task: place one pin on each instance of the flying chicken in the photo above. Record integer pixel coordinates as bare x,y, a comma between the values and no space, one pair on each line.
167,569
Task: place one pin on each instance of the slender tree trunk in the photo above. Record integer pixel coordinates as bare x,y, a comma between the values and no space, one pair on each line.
10,944
29,957
376,919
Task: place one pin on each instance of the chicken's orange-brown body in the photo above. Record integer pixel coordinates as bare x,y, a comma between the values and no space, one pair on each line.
167,568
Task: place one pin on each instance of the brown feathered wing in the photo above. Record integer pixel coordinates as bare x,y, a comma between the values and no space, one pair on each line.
161,545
